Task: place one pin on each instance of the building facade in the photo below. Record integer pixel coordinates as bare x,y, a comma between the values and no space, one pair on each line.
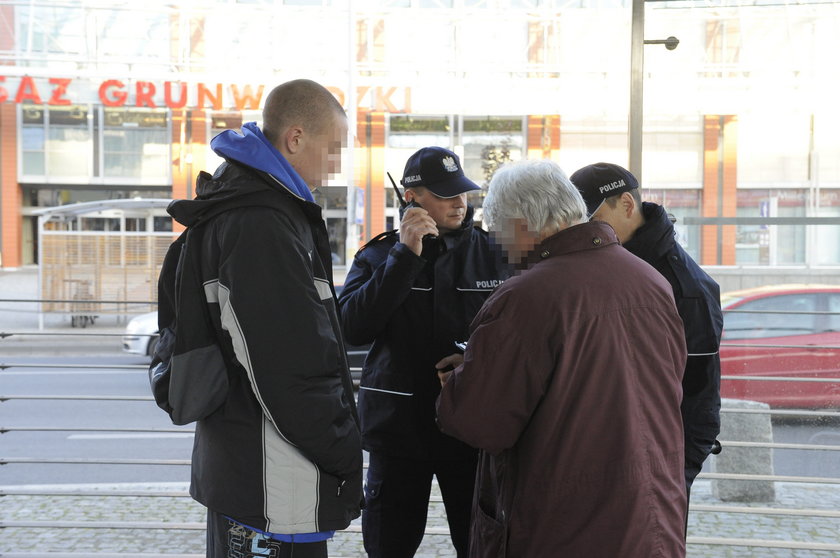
113,100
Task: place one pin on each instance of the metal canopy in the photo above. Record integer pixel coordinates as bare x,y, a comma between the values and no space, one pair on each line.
92,207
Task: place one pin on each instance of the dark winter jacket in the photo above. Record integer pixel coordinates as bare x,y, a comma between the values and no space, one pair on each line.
283,453
571,387
413,309
698,301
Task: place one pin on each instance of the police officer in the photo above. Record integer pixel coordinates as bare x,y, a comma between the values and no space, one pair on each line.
612,195
412,293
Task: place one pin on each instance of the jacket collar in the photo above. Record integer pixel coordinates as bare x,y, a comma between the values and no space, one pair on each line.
235,185
656,237
253,149
586,236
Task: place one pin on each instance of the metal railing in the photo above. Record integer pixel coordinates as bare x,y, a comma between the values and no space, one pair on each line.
706,513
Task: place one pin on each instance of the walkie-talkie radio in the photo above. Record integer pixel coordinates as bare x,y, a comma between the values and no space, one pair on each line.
406,205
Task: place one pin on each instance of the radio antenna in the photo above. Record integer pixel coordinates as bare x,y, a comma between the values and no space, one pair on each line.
396,190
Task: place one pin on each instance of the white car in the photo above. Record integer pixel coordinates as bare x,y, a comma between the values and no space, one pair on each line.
141,338
141,334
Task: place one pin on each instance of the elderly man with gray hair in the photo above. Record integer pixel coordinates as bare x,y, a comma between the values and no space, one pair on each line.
570,386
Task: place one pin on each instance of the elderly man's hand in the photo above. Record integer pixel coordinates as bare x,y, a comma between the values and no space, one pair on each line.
446,365
416,223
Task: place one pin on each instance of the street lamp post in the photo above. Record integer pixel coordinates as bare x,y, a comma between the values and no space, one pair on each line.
637,74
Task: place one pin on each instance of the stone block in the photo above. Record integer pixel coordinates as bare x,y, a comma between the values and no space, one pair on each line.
744,427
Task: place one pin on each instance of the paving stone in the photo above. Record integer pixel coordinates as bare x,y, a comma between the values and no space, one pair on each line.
348,544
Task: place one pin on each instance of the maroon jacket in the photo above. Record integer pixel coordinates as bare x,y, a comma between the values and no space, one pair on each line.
571,385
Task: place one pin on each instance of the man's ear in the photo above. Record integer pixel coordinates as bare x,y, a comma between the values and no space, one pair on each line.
409,195
293,139
628,203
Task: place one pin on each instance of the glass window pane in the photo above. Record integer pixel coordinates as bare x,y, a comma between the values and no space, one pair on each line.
136,144
746,325
681,204
33,163
833,321
771,244
411,124
69,151
32,139
219,122
337,229
163,224
489,142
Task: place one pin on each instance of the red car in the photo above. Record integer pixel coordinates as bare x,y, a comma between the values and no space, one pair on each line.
782,331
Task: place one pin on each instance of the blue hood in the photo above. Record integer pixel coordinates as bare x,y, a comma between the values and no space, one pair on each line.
253,149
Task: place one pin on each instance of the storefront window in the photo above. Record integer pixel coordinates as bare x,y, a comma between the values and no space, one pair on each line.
103,224
136,144
680,204
408,133
135,224
490,142
333,201
33,141
218,123
418,124
827,237
69,143
163,224
56,142
392,210
771,244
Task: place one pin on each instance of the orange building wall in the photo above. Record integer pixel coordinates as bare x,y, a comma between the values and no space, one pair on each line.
179,154
189,152
370,171
730,186
199,142
720,178
11,197
543,136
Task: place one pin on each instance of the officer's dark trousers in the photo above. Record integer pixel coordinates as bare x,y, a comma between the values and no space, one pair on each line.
397,500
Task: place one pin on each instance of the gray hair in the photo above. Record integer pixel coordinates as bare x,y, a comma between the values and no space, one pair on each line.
538,192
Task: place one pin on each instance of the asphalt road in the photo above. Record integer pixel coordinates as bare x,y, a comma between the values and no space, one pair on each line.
816,431
134,427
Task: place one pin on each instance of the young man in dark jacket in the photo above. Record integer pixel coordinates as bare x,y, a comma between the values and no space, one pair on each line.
279,463
412,294
612,195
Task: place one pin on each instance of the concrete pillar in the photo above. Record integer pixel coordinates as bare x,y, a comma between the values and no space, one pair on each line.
744,427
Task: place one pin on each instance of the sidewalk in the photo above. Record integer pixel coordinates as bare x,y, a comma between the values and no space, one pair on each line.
348,544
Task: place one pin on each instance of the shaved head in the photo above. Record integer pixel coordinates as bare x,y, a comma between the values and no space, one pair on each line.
302,103
308,127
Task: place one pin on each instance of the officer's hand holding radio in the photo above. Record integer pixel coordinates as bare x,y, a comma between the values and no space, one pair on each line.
416,224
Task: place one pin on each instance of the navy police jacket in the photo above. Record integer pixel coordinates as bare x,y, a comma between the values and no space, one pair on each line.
698,302
413,309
